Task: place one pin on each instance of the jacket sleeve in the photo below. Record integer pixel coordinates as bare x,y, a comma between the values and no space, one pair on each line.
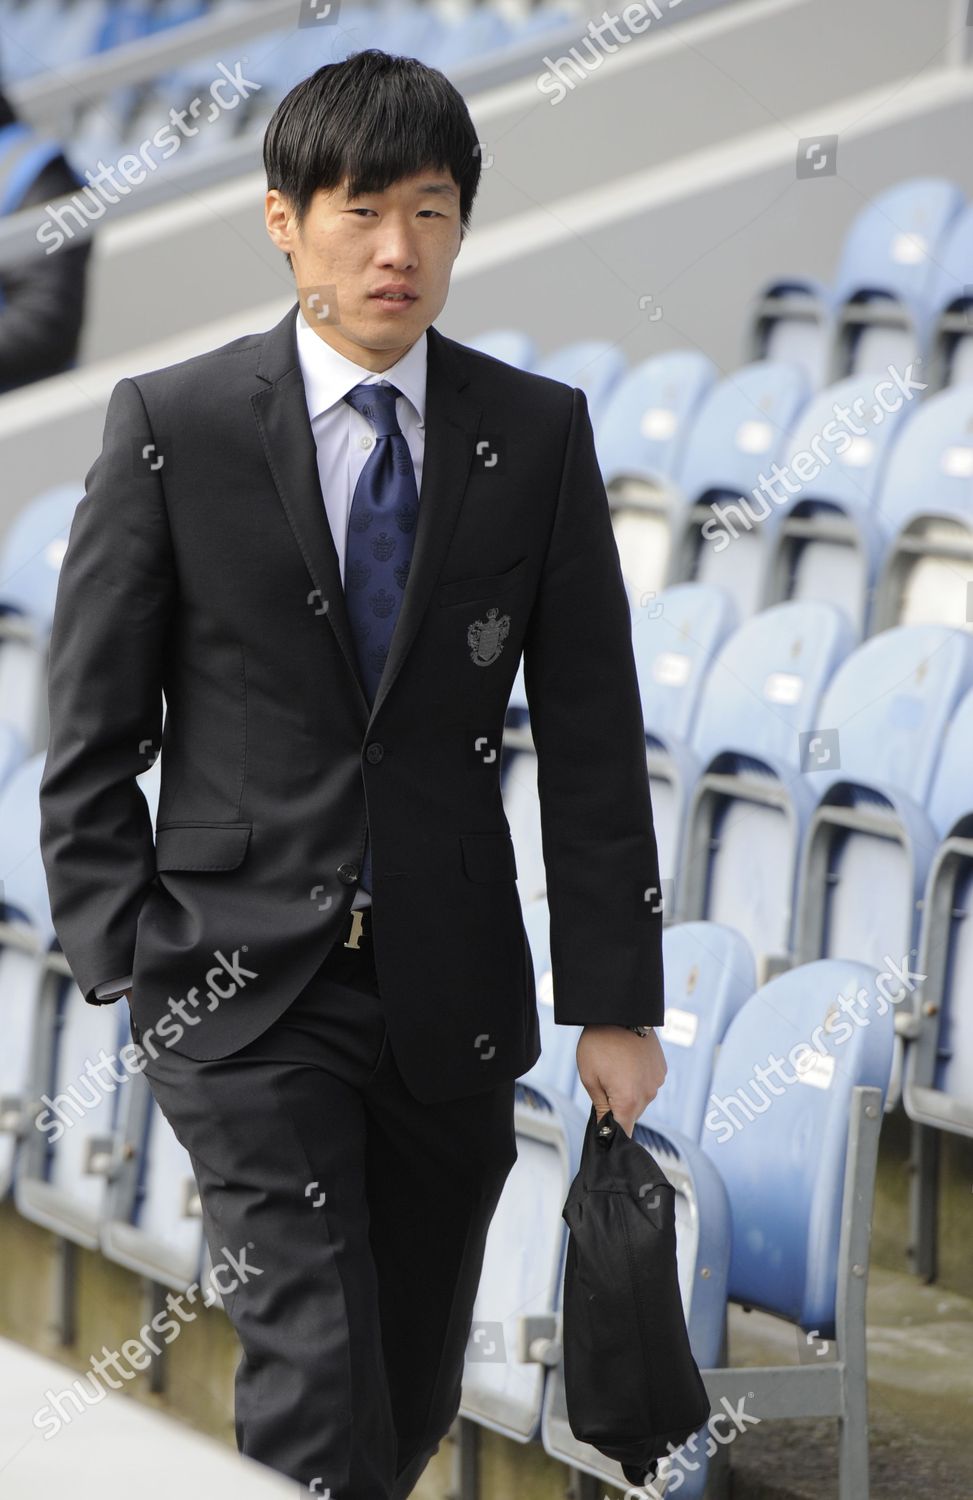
599,846
105,677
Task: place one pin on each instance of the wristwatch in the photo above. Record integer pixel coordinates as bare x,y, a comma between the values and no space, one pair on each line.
641,1030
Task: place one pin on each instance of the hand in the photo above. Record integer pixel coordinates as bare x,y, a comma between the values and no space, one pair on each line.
621,1071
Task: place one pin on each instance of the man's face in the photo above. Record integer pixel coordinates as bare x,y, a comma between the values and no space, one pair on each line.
349,249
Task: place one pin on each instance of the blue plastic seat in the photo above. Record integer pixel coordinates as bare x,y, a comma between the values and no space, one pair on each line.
926,507
675,639
511,345
885,286
596,365
791,319
517,1296
518,785
937,1087
69,1152
870,841
26,937
725,529
709,975
796,1148
830,542
749,811
468,37
641,439
882,723
152,1223
950,359
30,563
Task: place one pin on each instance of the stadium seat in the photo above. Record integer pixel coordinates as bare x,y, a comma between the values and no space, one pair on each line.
49,34
870,840
675,639
30,562
725,529
516,1302
750,806
881,728
927,508
937,1090
798,1165
791,319
511,345
709,974
885,287
593,364
26,934
152,1222
472,33
641,438
521,803
78,1075
950,359
829,543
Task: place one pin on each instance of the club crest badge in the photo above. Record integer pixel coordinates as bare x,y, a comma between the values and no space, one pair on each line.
486,637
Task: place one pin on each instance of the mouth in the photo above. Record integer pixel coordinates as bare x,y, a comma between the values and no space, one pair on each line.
393,299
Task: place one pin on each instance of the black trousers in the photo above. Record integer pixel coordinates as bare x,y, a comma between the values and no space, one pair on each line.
362,1215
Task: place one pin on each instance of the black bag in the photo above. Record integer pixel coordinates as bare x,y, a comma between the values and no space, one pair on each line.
631,1383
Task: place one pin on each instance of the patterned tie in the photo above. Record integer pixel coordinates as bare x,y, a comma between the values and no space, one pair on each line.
381,529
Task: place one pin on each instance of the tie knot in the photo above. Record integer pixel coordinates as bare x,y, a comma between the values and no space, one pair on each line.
376,403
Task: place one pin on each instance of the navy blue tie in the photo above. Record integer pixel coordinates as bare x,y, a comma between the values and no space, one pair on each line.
381,530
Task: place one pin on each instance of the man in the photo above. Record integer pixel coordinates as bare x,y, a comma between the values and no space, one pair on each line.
327,546
42,299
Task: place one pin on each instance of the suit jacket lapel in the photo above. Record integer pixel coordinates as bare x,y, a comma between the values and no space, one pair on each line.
451,423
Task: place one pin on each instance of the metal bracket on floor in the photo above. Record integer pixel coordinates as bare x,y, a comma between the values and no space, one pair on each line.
583,1486
465,1483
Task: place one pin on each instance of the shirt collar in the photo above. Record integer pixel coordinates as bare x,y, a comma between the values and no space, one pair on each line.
328,375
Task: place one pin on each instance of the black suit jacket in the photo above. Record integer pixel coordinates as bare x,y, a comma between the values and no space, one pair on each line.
200,565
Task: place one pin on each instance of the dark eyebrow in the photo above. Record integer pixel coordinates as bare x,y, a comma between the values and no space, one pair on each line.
445,189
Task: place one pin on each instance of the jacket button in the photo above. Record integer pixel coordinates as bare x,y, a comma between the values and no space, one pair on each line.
348,874
374,753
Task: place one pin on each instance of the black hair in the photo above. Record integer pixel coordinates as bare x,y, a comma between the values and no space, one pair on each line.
372,118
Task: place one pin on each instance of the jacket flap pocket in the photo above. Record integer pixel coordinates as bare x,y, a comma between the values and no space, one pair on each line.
489,856
462,589
200,846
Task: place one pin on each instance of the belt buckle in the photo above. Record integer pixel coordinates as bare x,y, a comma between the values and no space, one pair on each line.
356,931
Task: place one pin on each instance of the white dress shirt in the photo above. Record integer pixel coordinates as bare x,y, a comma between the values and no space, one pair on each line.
344,440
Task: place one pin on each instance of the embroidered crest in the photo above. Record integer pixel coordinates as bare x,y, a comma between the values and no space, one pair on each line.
487,637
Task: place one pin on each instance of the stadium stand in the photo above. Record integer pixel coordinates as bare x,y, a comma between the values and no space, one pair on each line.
807,694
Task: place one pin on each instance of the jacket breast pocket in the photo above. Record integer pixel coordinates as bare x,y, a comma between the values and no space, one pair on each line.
201,846
489,856
462,590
